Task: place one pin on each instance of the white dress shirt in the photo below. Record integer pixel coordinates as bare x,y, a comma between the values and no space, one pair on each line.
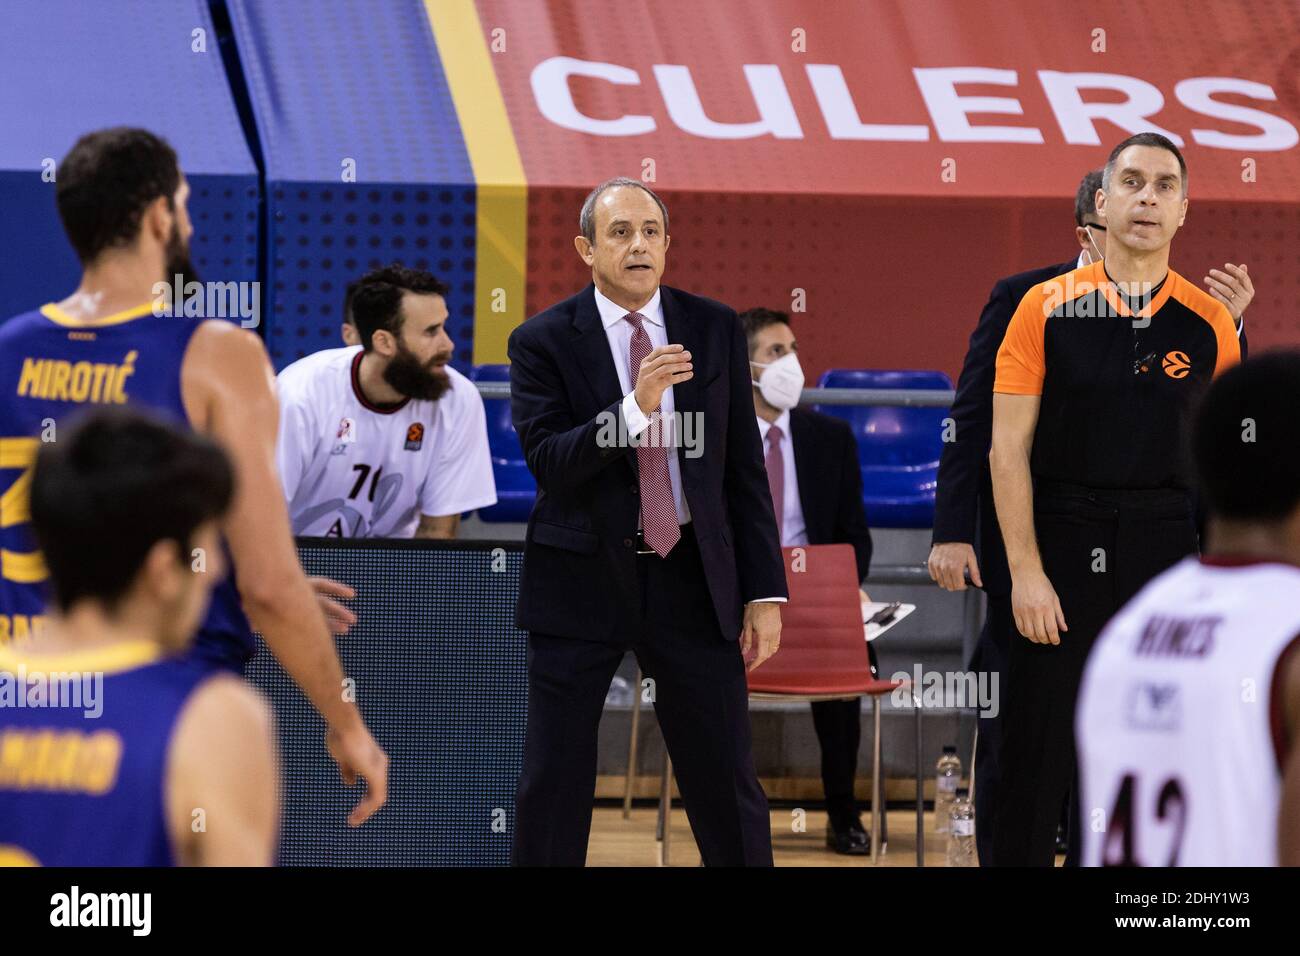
793,530
619,335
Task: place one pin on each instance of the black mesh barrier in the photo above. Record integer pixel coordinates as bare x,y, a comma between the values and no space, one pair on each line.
439,673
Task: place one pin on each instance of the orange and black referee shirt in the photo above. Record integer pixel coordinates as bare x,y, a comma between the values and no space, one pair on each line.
1118,387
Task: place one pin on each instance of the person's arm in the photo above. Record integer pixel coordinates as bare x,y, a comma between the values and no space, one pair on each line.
228,389
438,526
1288,816
1034,603
952,550
760,566
295,445
561,453
460,475
223,778
1017,395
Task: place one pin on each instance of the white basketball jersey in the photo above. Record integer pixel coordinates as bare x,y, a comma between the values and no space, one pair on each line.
1178,726
355,470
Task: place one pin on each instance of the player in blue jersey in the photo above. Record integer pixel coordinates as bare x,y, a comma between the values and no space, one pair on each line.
115,748
122,199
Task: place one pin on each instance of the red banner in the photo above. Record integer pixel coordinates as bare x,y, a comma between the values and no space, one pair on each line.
883,163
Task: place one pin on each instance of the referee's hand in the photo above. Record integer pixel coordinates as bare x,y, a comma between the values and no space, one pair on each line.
1036,608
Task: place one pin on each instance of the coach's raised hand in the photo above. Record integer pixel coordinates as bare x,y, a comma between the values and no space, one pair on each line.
665,366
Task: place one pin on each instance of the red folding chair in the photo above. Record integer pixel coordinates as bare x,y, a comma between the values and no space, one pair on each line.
823,653
823,656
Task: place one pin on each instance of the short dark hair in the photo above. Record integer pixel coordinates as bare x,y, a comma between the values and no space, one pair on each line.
377,299
106,182
1144,139
348,293
114,484
754,321
587,216
1085,200
1247,439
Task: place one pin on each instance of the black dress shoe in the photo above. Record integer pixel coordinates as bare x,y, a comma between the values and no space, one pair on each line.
1062,842
851,840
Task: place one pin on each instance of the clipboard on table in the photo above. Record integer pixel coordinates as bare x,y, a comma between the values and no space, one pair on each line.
879,616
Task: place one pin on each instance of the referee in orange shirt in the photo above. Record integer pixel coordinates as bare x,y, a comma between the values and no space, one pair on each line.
1096,379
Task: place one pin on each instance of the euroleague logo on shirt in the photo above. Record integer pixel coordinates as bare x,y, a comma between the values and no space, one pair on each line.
1176,364
415,436
346,435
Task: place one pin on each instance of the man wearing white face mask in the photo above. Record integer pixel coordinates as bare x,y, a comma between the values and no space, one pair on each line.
808,452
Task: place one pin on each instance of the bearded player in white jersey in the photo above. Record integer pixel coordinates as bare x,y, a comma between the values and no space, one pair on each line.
384,439
1189,710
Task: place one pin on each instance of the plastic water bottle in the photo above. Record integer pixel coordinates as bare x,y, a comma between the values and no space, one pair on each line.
961,838
947,776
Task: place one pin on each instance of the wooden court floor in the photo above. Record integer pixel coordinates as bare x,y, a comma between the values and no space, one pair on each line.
631,842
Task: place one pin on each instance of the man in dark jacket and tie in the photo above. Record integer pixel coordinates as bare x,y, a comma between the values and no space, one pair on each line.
816,485
632,404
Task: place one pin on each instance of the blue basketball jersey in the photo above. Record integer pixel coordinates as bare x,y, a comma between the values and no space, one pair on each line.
83,760
50,366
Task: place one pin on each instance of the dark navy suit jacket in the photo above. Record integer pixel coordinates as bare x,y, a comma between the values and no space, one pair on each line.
580,576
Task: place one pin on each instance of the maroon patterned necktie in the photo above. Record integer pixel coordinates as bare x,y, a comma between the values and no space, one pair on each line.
776,477
658,511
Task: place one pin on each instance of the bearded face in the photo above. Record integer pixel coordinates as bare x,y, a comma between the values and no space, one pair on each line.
178,258
423,381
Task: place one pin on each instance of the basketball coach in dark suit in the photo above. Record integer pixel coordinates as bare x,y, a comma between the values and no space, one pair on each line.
966,533
653,530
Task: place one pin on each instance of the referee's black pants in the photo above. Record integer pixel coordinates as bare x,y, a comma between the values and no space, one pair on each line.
1099,547
991,658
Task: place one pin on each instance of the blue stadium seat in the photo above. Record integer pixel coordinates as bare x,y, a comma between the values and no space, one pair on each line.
898,447
516,489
